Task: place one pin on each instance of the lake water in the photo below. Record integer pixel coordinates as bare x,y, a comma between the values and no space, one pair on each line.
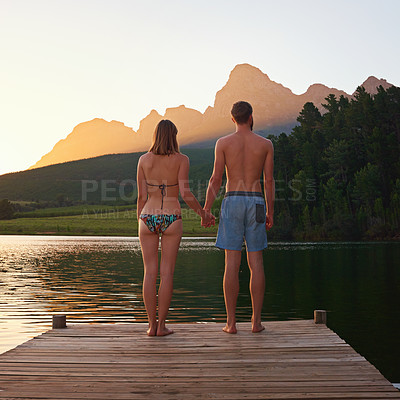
98,279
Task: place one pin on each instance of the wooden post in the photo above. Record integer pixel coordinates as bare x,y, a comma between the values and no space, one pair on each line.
320,317
59,321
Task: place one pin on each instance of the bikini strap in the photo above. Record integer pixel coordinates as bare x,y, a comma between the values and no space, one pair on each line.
150,184
162,188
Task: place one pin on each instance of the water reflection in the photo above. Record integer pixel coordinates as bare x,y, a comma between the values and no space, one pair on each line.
99,279
95,280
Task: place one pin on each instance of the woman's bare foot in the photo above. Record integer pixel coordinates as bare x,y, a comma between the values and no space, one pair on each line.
152,331
164,331
257,328
230,329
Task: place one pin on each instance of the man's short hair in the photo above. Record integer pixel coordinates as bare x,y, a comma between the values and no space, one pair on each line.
241,112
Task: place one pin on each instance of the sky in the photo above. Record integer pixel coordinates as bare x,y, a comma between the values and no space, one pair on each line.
66,62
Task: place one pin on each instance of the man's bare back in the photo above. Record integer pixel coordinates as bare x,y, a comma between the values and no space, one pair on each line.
245,154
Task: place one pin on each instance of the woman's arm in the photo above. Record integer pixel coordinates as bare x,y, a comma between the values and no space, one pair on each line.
188,197
142,188
216,178
184,188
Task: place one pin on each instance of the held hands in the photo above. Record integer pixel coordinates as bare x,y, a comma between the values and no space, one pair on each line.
269,221
207,219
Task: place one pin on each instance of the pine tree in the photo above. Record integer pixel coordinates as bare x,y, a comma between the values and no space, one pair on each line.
6,210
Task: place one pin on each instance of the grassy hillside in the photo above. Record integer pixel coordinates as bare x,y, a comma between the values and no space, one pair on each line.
91,220
109,179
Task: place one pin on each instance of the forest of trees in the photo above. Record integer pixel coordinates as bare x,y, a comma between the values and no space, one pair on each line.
338,173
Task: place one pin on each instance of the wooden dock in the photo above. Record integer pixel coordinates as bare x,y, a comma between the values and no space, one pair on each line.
289,360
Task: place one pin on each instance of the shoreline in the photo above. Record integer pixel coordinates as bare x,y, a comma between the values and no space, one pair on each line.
125,224
92,234
190,235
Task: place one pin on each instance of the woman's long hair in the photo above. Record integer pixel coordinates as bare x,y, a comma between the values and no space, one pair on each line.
164,138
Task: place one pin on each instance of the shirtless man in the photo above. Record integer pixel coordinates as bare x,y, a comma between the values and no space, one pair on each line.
244,212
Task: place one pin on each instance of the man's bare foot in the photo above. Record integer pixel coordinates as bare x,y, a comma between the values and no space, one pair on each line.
257,328
152,331
164,331
230,329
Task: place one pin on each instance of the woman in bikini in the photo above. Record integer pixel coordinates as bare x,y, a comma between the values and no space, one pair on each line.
162,174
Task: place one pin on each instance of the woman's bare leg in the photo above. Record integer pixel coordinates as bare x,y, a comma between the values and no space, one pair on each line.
257,287
231,288
170,242
149,243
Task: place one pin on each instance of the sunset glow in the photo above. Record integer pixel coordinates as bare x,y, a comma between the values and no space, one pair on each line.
67,62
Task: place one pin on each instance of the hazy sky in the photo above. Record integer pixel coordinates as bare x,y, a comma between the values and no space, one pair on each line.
66,62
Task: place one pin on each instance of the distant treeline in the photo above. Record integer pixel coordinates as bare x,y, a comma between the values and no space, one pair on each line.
338,174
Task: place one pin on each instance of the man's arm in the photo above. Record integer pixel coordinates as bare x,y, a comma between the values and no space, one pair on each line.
269,185
216,178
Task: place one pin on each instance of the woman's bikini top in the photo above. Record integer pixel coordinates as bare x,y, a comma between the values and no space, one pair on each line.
162,188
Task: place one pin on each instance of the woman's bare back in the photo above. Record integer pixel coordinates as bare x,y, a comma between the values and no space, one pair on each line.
161,170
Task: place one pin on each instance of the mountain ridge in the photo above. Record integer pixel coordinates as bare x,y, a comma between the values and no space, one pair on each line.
274,106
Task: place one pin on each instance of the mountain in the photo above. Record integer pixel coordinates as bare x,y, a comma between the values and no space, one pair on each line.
109,179
371,84
275,106
90,139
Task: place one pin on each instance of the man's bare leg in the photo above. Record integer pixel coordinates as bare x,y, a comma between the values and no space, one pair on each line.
231,288
257,287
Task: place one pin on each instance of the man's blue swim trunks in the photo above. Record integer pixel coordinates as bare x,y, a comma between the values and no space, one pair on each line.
242,216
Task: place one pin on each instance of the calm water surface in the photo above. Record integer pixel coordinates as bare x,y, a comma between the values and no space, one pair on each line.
98,279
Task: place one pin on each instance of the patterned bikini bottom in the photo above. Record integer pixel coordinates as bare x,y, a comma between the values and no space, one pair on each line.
158,223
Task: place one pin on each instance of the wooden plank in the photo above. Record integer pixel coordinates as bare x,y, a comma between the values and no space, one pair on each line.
172,393
290,360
